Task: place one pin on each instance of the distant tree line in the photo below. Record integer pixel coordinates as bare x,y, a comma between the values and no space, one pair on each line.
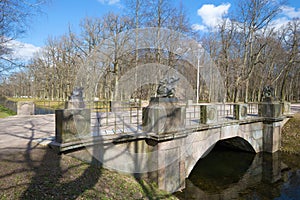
248,50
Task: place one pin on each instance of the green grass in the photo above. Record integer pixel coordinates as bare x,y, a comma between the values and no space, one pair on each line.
5,112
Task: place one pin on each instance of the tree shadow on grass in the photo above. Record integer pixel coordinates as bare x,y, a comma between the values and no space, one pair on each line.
57,178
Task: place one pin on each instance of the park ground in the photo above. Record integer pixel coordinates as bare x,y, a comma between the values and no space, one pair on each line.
37,172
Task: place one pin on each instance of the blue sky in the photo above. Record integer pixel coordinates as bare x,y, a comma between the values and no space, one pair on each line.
59,15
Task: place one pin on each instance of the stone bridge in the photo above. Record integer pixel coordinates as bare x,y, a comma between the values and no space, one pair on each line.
166,154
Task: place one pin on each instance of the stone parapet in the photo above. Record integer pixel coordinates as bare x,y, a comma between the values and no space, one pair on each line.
72,124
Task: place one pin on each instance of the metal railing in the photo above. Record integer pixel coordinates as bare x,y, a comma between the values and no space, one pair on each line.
108,117
224,112
124,120
253,109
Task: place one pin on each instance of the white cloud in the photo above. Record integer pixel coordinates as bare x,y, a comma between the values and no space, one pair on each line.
291,12
199,27
287,14
278,23
109,2
22,51
211,15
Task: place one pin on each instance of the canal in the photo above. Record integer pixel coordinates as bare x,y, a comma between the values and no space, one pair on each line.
230,174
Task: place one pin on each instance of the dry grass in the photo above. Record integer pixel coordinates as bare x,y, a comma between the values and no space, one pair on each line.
291,135
42,174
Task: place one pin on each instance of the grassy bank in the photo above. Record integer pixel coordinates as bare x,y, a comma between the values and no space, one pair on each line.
42,103
5,112
291,136
42,174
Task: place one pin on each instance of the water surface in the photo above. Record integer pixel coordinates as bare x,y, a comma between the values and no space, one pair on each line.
228,174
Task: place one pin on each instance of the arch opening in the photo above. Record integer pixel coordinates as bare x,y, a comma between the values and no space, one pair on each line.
226,164
237,144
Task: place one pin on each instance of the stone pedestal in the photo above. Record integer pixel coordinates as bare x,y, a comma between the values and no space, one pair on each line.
208,114
74,104
269,109
272,113
240,111
163,115
25,108
286,107
72,124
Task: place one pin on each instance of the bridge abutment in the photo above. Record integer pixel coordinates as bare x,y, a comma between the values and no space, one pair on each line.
272,135
272,114
169,161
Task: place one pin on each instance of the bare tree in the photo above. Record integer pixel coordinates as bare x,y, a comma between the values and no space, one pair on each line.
254,18
290,38
14,21
115,32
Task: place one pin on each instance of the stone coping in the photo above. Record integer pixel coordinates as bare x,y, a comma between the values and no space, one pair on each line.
123,138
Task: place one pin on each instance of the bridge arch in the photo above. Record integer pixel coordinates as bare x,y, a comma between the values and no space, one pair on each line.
234,188
200,147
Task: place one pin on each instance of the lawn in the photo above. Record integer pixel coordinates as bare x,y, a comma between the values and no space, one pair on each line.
5,112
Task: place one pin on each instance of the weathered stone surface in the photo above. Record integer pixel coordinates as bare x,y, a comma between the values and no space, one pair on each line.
76,99
167,155
271,136
25,108
269,94
163,115
74,104
240,111
228,131
72,124
286,107
169,164
270,110
208,114
166,87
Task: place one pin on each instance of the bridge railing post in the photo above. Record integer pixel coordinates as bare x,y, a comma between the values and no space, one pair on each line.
209,113
240,111
72,124
286,107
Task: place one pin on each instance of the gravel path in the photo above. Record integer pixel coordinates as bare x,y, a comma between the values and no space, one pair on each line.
23,133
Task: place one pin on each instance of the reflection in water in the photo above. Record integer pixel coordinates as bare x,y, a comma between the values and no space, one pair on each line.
227,174
218,171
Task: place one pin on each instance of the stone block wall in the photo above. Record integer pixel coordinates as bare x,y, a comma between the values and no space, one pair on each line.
25,108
